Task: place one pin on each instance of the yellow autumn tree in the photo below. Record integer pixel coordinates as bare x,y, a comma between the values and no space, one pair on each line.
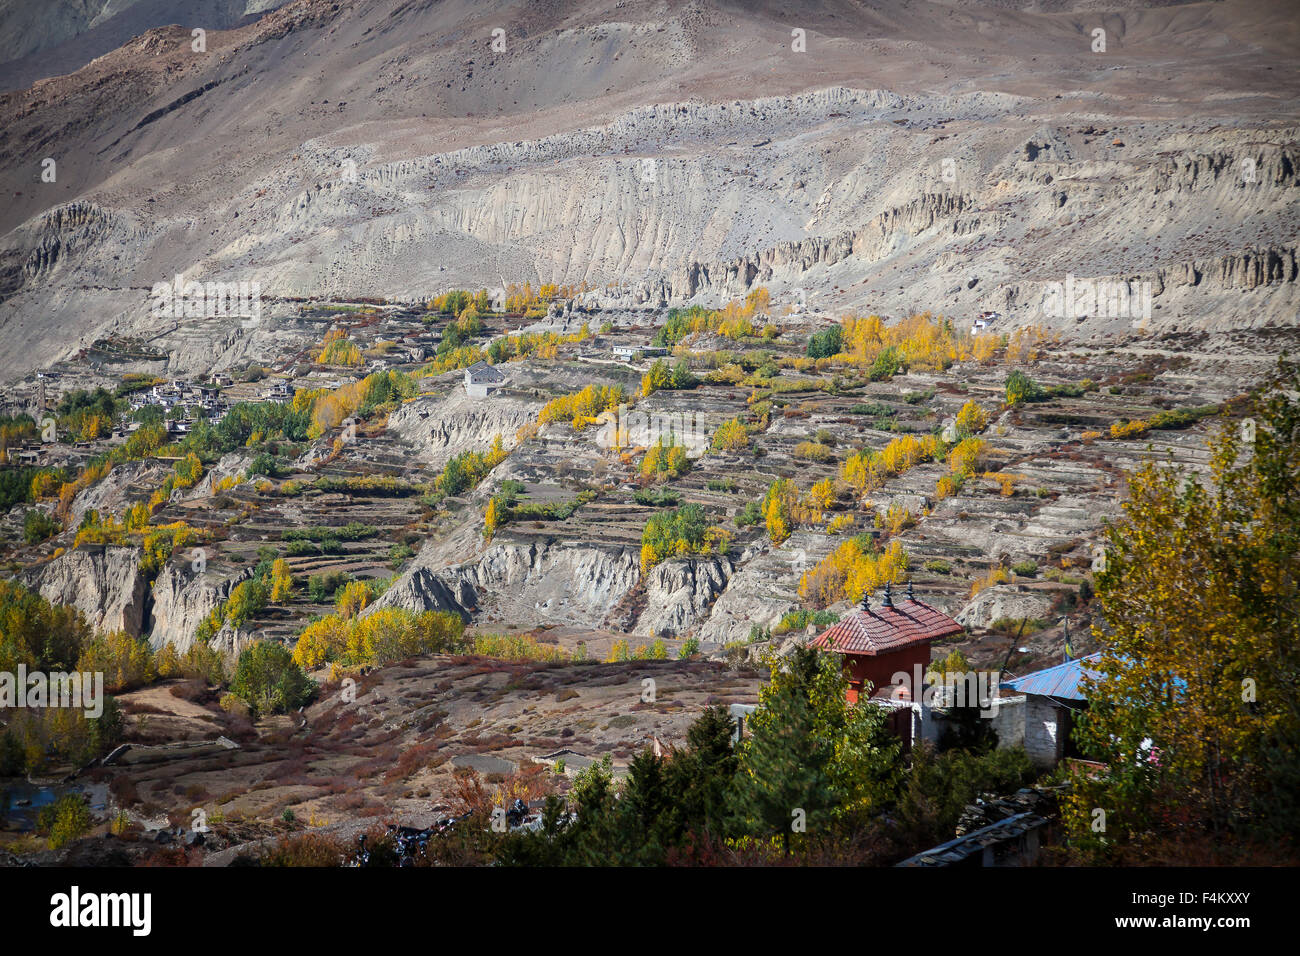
849,571
281,581
779,505
972,419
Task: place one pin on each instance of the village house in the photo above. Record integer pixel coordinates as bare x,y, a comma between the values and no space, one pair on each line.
879,644
1041,715
482,379
280,391
632,353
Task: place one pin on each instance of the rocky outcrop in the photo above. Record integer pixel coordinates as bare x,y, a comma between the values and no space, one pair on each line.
442,426
182,599
524,584
423,590
788,260
762,589
103,582
1008,601
679,595
64,231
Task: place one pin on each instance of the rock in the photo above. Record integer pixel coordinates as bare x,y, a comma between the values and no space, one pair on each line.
182,598
680,593
1004,601
531,583
102,581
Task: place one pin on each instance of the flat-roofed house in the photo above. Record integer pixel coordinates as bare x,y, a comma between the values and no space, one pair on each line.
482,379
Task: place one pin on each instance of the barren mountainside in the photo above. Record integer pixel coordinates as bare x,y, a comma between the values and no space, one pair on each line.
952,157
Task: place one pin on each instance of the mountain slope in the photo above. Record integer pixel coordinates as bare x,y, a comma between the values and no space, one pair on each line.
915,155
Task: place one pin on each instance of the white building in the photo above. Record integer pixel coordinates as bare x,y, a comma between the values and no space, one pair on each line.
481,380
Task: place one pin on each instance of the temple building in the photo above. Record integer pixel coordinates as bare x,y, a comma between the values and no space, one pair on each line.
878,644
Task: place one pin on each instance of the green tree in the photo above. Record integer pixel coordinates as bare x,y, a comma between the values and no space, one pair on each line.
701,776
811,756
268,680
37,526
826,343
1021,388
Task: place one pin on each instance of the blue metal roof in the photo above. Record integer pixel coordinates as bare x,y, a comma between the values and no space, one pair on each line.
1061,681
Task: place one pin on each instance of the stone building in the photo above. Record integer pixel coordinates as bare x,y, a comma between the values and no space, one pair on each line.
481,380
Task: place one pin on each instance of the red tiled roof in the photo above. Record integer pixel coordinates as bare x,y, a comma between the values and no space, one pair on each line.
884,629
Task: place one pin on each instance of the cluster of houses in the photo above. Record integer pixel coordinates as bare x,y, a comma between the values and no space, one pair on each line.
180,394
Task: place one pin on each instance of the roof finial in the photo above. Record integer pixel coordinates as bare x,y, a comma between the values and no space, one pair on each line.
888,601
910,595
865,603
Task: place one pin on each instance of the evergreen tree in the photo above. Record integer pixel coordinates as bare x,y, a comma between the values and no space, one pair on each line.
812,751
701,776
785,764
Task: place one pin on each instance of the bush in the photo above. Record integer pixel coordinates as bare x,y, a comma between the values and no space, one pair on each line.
800,619
64,820
1127,429
656,497
37,526
812,451
1021,388
1025,569
749,515
887,364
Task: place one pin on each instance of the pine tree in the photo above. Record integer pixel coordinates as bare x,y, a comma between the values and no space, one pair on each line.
812,751
784,765
701,775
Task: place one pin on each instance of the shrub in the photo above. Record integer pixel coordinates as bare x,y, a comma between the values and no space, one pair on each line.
657,497
37,526
800,619
1021,388
812,451
749,515
64,820
1129,429
887,364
